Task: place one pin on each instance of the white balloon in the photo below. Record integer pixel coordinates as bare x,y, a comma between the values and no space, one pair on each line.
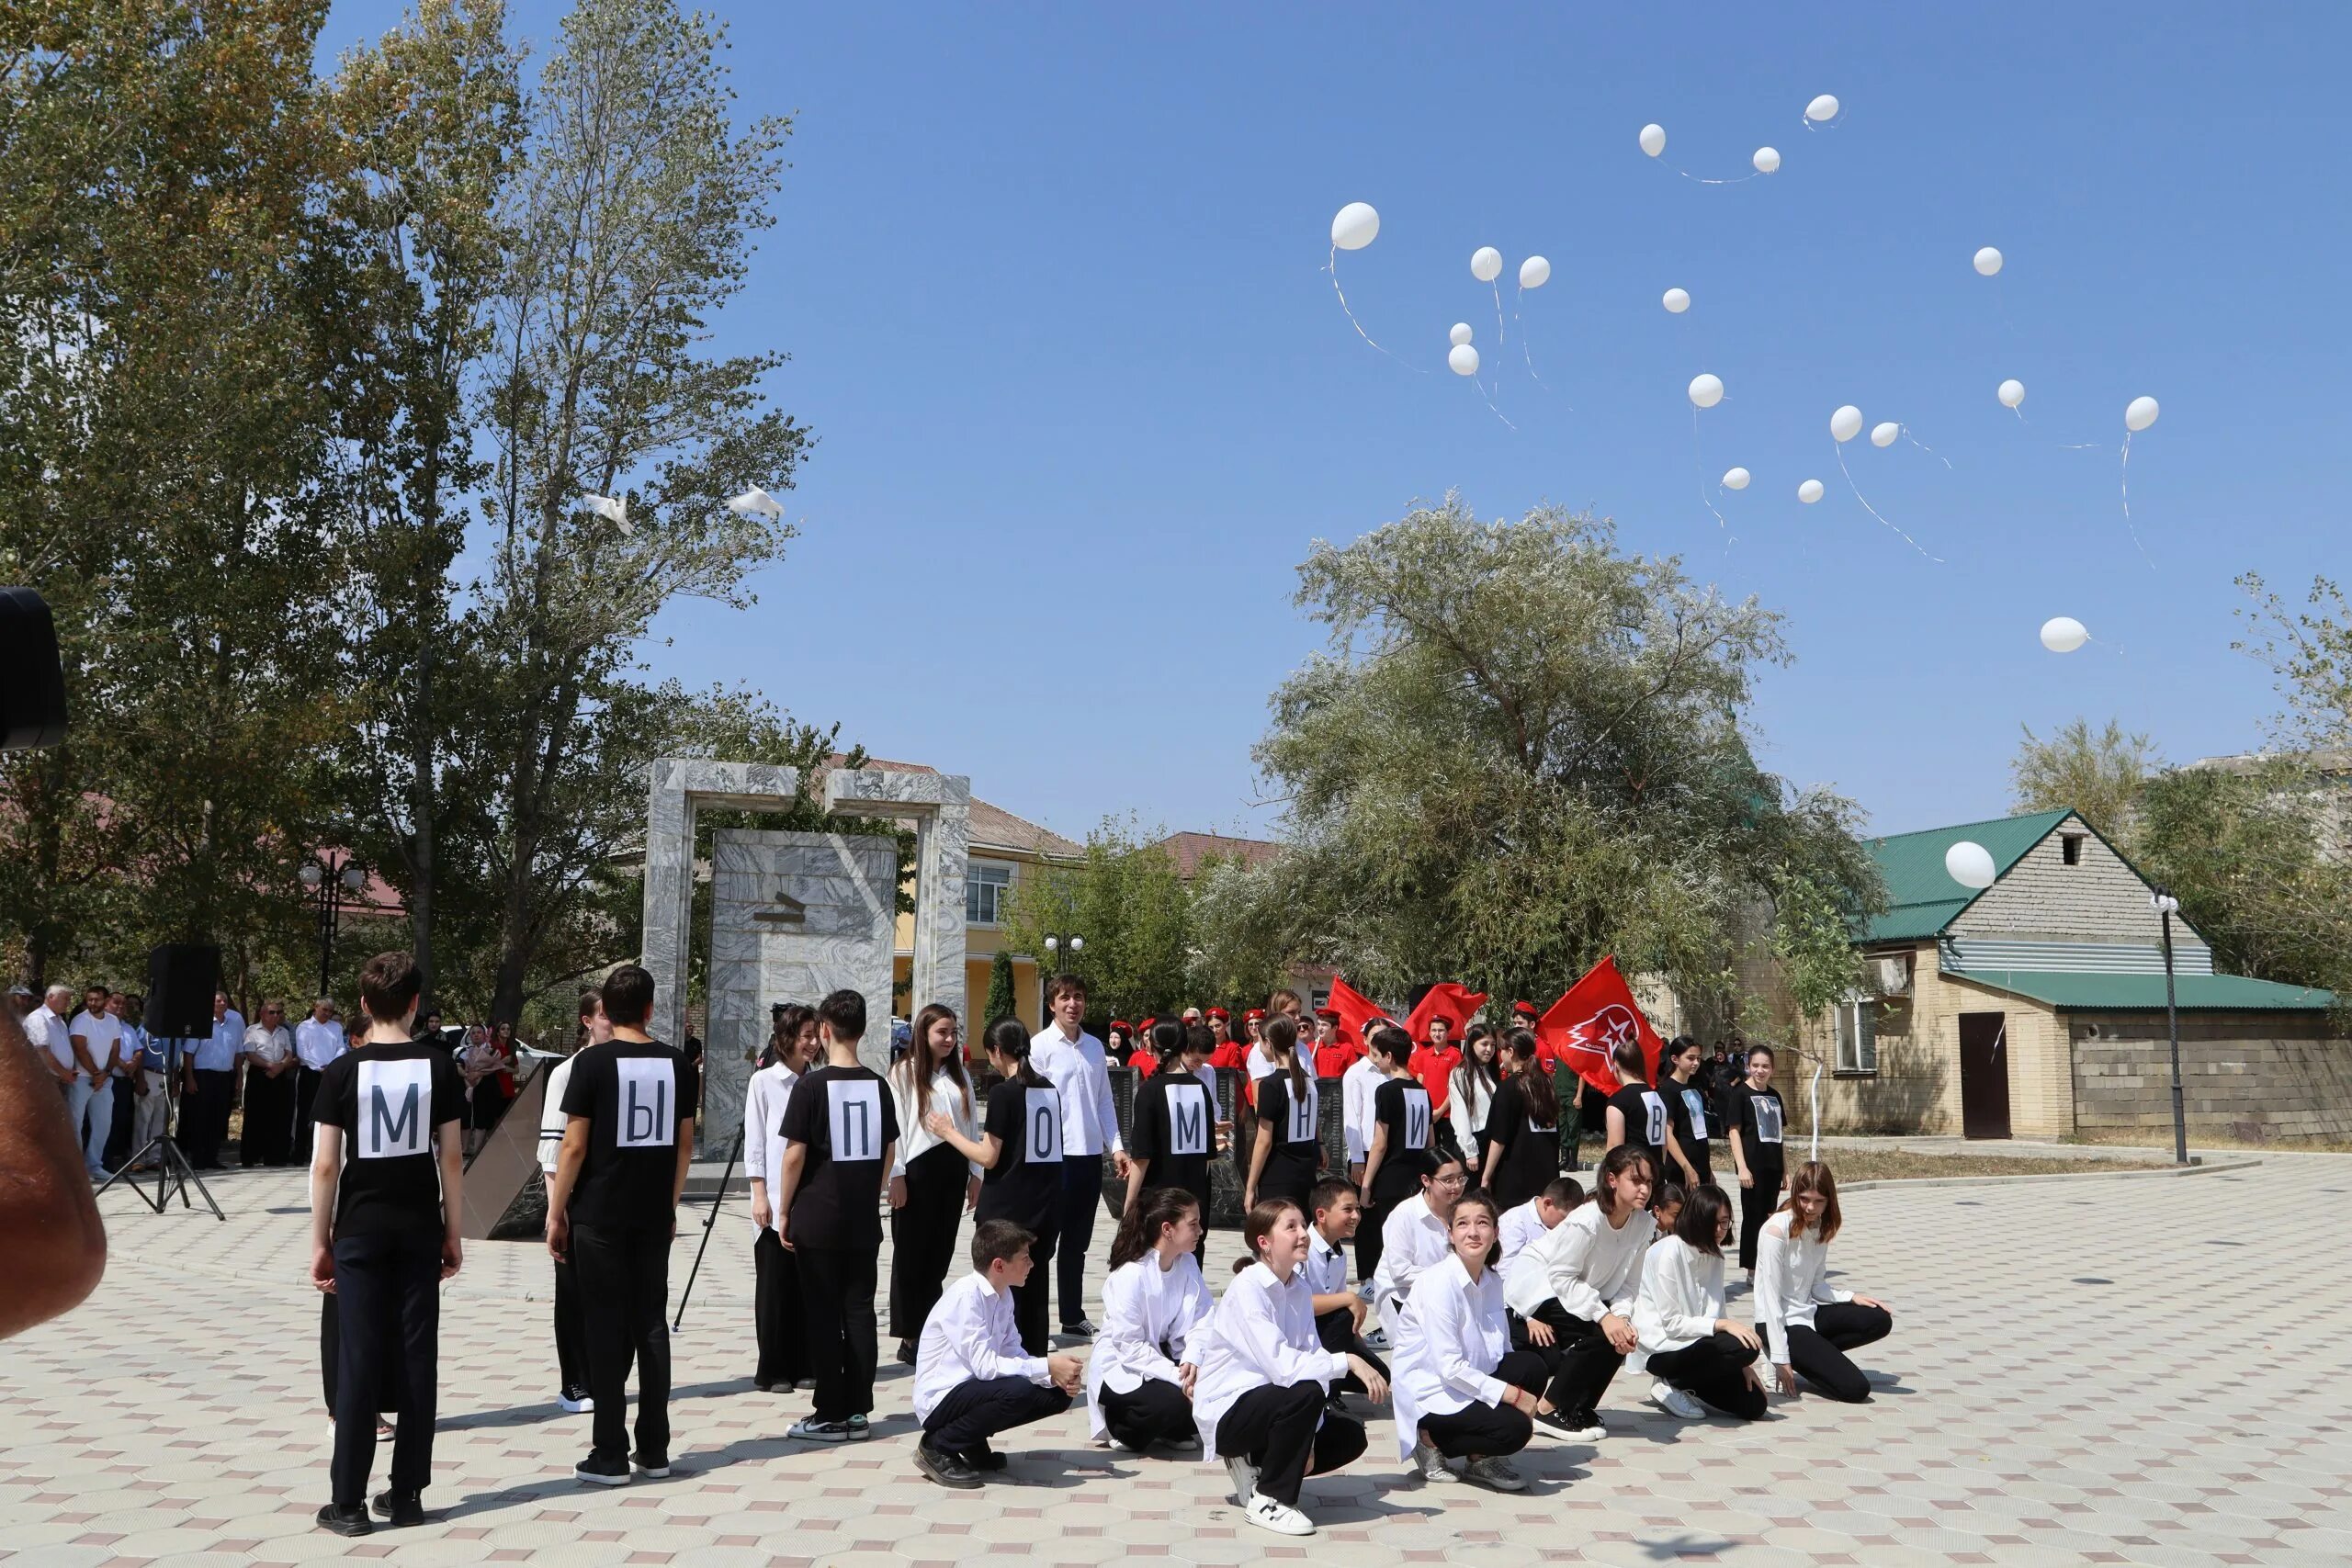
2140,414
1988,261
1735,479
1676,301
1653,140
1884,435
2063,634
1767,158
1535,273
1822,107
1809,491
1845,424
1706,391
2011,393
1486,264
1356,226
1460,334
1463,359
1970,864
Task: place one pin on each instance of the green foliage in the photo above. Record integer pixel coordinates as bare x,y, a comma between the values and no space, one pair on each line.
2098,776
1126,901
1524,749
1001,1002
1813,939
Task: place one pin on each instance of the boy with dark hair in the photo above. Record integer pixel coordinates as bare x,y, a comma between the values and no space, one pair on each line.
1339,1311
840,1131
570,1326
1072,1061
973,1379
383,1236
629,1109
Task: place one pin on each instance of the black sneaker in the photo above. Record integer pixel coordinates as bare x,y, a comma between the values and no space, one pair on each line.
400,1512
948,1469
653,1468
906,1352
1081,1329
346,1519
984,1459
573,1399
602,1470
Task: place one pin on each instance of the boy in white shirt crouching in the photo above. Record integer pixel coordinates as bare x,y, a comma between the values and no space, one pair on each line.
973,1379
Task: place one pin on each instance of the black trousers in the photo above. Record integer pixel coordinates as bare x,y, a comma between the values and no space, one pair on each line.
305,1121
778,1320
1581,1359
570,1329
204,1118
1154,1412
1369,1244
387,1390
837,1302
624,1299
269,1119
118,1147
1716,1370
1490,1431
1699,1162
922,1237
1081,1201
1818,1353
1279,1430
976,1410
1030,1305
1756,1204
388,1309
1337,1331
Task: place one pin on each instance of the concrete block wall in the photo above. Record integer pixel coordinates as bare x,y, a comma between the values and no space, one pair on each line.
2254,1076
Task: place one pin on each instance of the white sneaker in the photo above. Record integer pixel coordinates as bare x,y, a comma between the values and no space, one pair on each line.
1494,1475
1244,1476
1279,1517
1676,1400
1377,1339
1431,1463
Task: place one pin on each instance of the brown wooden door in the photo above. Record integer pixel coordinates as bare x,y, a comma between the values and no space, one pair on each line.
1983,1075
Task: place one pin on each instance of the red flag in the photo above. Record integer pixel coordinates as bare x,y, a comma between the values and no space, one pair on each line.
1585,1025
1354,1009
1455,1004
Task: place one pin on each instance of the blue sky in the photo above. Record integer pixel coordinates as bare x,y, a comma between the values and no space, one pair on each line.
1051,277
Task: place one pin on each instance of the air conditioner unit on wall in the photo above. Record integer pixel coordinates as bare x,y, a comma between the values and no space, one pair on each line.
1893,975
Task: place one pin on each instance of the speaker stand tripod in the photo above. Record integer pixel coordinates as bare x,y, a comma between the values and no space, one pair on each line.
170,1164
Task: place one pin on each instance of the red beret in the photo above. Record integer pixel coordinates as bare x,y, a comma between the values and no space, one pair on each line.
1122,1023
1219,1013
1255,1015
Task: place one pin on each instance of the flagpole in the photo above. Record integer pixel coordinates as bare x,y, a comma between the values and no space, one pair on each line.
1816,1111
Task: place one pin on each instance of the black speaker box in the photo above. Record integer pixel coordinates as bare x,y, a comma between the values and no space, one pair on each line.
181,978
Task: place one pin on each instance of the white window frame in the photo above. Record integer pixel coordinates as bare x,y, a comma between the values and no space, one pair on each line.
974,881
1854,1023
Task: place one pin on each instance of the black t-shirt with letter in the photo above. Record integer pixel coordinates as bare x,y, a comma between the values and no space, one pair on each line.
1402,1105
639,1099
1026,1184
846,1119
1175,1131
1643,1110
389,1100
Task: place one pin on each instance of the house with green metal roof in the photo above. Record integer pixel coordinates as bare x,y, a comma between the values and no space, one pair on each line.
2035,1006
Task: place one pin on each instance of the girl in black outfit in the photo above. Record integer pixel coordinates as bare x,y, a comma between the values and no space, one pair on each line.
1753,1120
1636,1112
931,1192
1686,1114
1019,1152
1523,1152
1288,1157
1399,1157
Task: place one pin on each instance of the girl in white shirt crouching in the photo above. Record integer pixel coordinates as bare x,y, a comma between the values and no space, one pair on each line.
1139,1381
1264,1379
1699,1357
1463,1397
1808,1322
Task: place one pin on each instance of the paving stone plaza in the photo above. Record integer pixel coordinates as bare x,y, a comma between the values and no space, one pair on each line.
2090,1370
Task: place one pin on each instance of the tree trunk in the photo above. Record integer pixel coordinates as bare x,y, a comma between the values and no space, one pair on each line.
420,797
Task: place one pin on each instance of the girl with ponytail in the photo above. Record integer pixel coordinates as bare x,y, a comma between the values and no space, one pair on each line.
1019,1152
1139,1381
1287,1156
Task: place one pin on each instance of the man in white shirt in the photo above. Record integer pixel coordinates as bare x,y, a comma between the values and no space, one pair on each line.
1073,1061
95,1037
269,1063
318,1040
46,1032
211,1086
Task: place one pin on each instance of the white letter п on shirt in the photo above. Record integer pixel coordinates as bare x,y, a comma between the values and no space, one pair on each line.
395,1103
854,1106
648,1102
1044,1135
1188,1119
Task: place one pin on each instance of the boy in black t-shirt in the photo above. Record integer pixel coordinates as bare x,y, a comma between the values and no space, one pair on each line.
383,1235
629,1109
840,1129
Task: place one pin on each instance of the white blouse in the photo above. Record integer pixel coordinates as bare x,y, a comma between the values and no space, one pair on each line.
1792,1280
1148,1314
970,1335
552,1120
1356,1087
1592,1268
1467,1101
765,1099
1681,1297
1261,1335
944,1094
1454,1334
1411,1240
1520,1225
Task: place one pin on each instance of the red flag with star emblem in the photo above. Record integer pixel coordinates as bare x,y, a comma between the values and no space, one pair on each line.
1589,1021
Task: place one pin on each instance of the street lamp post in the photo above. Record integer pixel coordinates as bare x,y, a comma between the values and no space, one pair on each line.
2167,907
328,878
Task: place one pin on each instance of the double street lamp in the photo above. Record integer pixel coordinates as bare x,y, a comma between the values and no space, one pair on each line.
2167,907
328,878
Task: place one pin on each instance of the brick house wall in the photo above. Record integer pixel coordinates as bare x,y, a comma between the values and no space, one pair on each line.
2254,1076
2101,900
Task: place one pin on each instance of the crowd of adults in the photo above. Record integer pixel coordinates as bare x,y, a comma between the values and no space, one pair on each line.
120,1082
